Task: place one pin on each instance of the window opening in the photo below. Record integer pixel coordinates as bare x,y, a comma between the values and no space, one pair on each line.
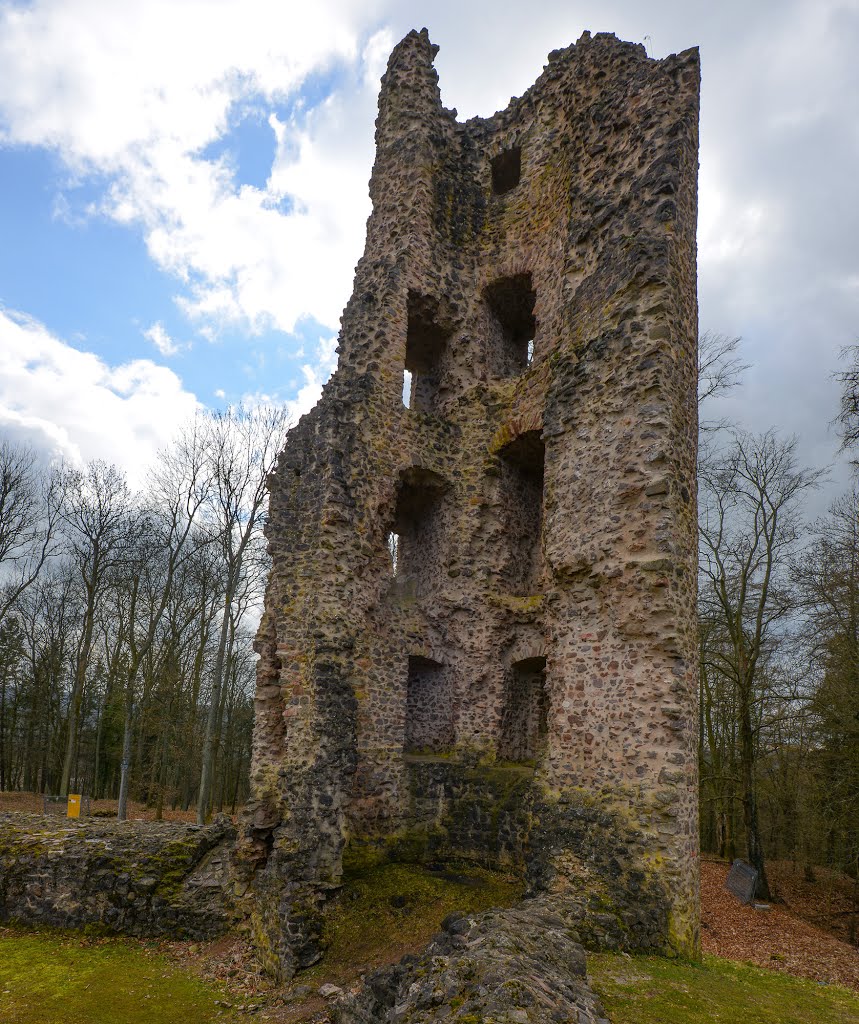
511,303
522,473
415,540
429,707
407,388
506,170
393,550
426,349
525,715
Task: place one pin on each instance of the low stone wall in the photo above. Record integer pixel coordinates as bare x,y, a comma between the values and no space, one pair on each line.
136,878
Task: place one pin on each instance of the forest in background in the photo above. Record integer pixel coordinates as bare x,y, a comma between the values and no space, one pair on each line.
127,621
778,616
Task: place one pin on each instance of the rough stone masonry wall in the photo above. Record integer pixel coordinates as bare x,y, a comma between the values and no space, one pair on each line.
535,273
132,878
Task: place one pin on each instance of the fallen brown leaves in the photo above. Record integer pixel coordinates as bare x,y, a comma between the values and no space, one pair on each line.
229,960
32,803
776,938
830,901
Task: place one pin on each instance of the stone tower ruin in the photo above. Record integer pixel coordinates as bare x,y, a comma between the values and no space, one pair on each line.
479,635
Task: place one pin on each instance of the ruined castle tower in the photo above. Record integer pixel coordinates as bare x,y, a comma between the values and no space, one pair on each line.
479,636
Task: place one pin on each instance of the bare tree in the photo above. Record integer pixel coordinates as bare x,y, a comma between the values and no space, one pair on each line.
194,615
749,529
28,518
179,485
97,519
109,667
243,445
720,368
48,612
828,577
717,739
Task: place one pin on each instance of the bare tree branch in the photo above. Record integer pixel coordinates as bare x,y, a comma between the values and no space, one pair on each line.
847,420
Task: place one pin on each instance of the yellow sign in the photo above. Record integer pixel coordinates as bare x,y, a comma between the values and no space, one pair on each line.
74,810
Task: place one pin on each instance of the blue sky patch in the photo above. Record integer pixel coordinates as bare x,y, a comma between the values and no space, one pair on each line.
249,148
80,274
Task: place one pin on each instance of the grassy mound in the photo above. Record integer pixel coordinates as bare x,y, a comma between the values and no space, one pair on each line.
652,990
52,977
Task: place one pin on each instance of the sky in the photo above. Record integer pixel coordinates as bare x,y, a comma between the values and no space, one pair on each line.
183,195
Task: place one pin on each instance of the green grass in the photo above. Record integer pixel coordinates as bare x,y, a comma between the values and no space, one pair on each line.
652,990
51,977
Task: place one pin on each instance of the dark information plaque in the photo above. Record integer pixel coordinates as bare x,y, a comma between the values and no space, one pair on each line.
742,880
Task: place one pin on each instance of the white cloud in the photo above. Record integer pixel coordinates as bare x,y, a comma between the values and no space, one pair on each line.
375,57
161,339
100,81
74,406
137,90
315,375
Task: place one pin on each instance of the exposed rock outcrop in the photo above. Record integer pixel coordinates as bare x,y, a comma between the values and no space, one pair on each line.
522,966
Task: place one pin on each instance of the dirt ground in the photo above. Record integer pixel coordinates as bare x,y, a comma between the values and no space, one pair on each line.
33,803
790,935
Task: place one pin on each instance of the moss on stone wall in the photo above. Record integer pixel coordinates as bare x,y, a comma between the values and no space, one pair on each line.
138,878
390,909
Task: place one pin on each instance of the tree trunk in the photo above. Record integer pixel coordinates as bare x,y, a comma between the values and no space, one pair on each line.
754,846
77,695
3,732
212,716
122,805
96,788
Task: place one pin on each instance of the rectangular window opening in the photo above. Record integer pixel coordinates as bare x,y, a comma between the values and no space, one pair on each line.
511,302
426,350
506,170
429,724
416,537
522,473
524,718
